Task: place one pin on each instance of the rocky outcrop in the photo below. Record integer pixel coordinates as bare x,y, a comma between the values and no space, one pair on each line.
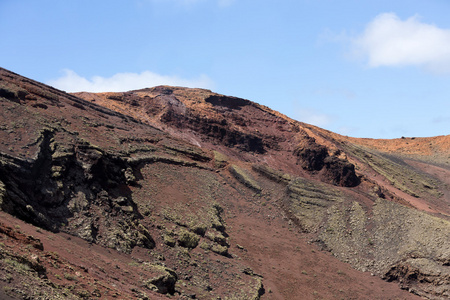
422,276
164,282
339,172
312,156
65,185
227,102
217,130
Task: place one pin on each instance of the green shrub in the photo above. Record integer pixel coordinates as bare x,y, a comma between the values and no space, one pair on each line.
188,239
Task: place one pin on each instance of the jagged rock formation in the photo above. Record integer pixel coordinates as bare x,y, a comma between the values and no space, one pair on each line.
57,188
189,193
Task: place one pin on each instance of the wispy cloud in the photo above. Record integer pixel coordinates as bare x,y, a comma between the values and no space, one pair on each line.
347,130
121,82
314,117
389,41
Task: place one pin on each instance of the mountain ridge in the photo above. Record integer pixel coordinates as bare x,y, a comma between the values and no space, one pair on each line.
206,195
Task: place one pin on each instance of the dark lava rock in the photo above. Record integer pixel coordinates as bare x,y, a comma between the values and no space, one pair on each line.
340,172
311,155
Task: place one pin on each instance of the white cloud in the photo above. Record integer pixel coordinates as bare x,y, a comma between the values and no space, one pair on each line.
347,130
390,41
121,82
313,117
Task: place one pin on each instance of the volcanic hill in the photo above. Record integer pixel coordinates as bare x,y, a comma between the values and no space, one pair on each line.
177,193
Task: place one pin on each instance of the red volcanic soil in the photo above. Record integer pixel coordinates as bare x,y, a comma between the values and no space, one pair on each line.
292,268
428,146
70,262
174,193
295,269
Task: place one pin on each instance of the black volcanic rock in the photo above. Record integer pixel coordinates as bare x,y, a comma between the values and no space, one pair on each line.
311,156
340,172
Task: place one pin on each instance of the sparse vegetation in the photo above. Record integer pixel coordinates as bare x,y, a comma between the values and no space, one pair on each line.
399,174
244,177
188,239
143,200
18,266
70,277
220,159
169,240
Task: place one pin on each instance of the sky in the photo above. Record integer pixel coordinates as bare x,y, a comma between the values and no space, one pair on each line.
362,68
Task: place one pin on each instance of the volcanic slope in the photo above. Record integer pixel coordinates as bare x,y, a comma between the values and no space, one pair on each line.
361,199
182,193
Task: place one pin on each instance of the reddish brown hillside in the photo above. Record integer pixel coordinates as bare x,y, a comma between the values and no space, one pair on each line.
249,131
182,193
411,172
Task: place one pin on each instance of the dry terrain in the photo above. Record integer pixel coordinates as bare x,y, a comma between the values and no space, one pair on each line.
176,193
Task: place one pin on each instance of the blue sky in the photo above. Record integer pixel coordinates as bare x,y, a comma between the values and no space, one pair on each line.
378,69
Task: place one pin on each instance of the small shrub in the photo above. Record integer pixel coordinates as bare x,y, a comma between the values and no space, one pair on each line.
188,239
243,177
198,228
69,277
205,246
168,240
18,266
221,250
